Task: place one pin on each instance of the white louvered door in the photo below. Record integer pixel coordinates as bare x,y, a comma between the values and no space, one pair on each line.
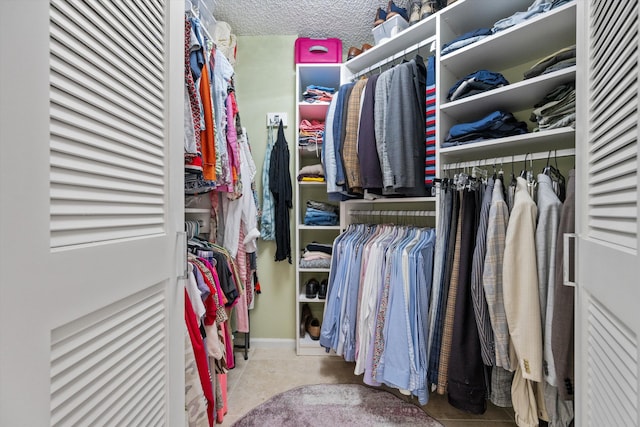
91,320
608,276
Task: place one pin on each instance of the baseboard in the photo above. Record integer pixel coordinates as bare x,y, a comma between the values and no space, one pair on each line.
273,343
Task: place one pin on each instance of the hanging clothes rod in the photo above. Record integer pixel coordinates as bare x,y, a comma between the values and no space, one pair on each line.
510,159
392,213
379,64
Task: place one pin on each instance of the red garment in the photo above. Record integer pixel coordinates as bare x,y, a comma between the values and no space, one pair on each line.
200,355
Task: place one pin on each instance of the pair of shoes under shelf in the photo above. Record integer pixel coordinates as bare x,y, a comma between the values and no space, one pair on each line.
309,324
313,289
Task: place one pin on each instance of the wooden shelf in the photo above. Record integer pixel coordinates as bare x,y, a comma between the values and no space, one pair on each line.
197,211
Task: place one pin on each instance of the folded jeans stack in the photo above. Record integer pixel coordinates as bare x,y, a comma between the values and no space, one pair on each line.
557,109
320,213
476,82
497,124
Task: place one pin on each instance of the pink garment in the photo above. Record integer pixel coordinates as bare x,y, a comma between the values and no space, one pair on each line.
313,125
242,308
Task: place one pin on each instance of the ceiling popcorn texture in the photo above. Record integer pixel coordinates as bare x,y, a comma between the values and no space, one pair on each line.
350,21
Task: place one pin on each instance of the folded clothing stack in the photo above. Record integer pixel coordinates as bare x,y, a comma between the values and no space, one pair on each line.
310,135
557,109
320,213
315,93
311,173
498,124
479,81
535,9
563,58
316,255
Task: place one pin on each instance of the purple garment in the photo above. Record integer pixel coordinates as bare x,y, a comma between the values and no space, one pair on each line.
370,171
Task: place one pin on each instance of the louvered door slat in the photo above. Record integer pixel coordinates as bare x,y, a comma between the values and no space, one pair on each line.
130,40
613,128
612,359
64,192
605,37
153,10
81,45
625,153
73,148
105,30
153,31
104,82
67,133
110,361
74,89
71,179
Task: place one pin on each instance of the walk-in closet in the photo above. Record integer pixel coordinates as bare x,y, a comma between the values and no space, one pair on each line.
408,212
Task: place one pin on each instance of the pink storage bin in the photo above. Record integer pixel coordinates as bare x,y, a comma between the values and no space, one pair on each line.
309,50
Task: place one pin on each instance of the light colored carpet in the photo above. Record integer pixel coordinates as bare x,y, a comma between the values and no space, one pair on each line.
336,405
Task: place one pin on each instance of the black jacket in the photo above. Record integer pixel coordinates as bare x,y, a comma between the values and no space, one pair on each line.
280,187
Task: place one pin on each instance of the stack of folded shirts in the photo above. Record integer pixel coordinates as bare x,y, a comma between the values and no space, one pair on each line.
315,93
563,58
311,173
479,81
310,135
316,255
320,213
557,109
498,124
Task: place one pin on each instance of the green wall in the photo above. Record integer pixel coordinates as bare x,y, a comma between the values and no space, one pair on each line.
265,82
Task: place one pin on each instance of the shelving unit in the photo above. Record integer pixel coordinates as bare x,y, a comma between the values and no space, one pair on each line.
328,75
510,52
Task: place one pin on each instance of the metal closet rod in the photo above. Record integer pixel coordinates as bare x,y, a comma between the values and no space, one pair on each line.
379,64
510,159
392,213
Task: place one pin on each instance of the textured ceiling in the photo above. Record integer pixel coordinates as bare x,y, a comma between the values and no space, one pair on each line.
350,21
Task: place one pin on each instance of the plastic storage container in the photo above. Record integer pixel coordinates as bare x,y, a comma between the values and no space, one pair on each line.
308,50
389,29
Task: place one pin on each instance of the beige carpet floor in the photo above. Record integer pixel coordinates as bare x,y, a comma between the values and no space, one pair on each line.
270,371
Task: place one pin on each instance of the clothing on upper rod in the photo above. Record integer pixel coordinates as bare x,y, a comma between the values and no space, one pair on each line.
393,158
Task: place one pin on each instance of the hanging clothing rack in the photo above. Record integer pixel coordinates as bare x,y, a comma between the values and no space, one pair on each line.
379,64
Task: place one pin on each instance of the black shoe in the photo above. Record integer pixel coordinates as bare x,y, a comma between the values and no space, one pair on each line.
322,292
311,288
